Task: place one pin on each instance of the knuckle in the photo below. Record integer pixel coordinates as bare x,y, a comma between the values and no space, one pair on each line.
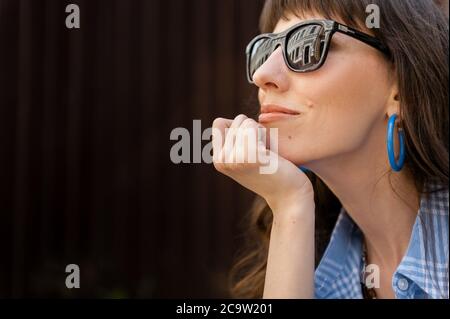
217,121
240,116
248,123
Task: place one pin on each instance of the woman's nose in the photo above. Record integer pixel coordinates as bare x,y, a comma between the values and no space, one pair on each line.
273,74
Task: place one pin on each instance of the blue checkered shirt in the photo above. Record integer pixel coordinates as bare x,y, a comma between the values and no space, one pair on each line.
423,271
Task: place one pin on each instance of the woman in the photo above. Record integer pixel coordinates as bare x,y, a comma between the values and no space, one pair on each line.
363,111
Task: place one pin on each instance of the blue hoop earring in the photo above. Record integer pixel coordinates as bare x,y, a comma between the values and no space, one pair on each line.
396,165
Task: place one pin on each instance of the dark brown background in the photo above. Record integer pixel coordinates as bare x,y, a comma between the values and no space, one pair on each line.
85,172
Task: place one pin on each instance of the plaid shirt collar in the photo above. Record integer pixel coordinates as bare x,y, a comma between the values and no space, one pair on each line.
423,271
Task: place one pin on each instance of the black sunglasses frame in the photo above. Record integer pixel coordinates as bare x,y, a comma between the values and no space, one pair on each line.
330,27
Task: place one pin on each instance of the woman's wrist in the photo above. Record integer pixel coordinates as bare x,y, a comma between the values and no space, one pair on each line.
293,205
298,217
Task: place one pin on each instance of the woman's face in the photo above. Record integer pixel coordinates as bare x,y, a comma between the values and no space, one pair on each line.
342,105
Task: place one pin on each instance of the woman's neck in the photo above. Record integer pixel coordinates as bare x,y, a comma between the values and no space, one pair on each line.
384,205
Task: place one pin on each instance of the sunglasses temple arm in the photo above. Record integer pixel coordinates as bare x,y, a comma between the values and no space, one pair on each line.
374,42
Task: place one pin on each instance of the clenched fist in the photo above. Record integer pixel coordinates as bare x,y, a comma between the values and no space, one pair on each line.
243,152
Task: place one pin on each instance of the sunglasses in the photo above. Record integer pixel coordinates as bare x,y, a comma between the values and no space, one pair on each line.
304,45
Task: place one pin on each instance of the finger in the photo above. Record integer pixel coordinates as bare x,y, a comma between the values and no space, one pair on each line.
263,135
231,138
246,142
271,139
218,137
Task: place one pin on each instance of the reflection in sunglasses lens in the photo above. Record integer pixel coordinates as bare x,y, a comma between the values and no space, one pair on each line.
305,47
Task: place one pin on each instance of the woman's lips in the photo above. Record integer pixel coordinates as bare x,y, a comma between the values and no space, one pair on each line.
271,113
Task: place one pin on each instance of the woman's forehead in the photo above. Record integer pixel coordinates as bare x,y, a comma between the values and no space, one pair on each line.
292,19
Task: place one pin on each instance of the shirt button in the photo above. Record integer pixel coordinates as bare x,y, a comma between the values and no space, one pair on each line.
402,284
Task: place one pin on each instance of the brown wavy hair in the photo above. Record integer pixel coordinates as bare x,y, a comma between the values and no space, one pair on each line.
416,32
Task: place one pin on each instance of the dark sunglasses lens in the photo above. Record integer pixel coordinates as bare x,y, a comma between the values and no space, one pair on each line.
305,47
261,50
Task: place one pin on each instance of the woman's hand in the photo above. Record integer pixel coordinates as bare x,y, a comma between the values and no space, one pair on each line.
232,149
288,192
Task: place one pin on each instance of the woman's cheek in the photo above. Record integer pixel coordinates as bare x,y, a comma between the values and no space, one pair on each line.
296,142
318,136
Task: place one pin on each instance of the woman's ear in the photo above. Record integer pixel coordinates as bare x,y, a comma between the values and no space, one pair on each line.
393,102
